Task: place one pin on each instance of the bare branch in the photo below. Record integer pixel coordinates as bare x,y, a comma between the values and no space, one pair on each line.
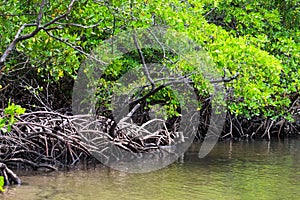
40,16
209,12
19,37
225,80
145,68
74,47
61,16
130,113
160,44
13,43
80,25
154,90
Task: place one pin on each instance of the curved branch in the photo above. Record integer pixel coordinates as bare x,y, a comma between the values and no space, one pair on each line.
19,37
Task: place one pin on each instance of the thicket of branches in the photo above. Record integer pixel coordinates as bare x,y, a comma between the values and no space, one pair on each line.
255,46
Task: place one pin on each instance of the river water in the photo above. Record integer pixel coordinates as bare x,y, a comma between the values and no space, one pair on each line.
233,170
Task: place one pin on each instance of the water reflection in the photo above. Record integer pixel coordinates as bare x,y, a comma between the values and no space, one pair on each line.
242,170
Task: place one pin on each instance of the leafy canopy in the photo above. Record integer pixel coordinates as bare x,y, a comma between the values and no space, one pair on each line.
257,39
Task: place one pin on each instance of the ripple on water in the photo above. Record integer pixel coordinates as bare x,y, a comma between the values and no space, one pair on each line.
243,170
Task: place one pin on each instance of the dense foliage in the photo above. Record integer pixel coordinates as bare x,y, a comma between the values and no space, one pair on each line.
257,39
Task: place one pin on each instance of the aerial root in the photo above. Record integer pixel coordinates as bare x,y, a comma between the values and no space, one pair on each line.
51,140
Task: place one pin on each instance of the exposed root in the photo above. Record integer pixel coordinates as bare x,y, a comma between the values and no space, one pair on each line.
9,176
51,140
261,127
42,140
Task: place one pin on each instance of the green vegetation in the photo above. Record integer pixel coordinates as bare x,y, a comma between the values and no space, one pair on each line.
259,40
1,184
270,31
10,114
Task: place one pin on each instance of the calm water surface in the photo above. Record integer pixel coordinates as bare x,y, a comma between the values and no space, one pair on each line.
242,170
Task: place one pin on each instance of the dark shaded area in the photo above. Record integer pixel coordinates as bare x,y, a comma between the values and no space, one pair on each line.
26,87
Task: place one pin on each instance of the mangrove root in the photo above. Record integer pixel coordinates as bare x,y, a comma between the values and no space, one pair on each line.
9,176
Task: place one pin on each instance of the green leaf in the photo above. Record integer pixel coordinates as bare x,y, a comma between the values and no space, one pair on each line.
1,184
